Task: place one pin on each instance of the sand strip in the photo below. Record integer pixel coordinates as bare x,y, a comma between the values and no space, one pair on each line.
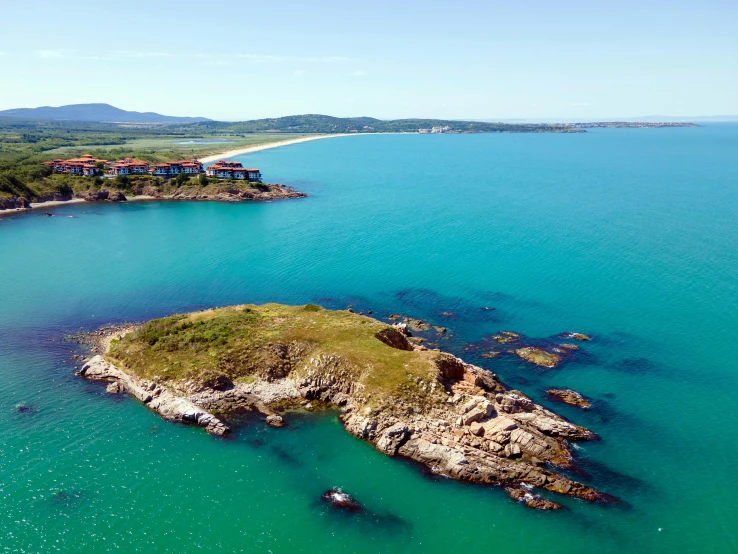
258,147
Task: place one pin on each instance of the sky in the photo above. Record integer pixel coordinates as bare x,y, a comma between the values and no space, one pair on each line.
239,59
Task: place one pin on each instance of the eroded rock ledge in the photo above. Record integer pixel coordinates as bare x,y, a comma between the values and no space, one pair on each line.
457,419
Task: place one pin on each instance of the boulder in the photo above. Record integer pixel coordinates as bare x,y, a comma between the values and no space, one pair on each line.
392,438
391,336
275,420
538,356
571,397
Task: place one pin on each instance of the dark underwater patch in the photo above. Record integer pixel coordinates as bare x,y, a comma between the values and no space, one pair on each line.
636,366
429,304
68,499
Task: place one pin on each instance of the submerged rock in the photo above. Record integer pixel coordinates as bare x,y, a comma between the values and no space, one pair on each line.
571,397
339,500
23,408
524,495
576,336
538,356
506,337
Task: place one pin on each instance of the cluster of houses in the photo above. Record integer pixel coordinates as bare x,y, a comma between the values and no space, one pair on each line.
223,169
87,165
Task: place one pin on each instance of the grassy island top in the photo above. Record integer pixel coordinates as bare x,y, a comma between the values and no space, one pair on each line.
272,341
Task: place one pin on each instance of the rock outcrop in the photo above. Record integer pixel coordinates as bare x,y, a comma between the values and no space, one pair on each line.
155,396
571,397
484,433
456,419
538,356
14,203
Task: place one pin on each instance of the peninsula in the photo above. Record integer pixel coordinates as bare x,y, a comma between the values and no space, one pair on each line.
454,418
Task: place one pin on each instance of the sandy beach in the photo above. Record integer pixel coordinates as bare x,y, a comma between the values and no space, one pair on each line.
249,149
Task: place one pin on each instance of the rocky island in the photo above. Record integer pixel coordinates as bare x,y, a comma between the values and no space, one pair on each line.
454,418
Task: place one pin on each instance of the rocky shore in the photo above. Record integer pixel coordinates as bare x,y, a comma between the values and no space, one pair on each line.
229,193
458,420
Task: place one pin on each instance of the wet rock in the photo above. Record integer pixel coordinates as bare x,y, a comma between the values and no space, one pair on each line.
538,356
275,420
506,337
576,336
571,397
531,500
340,500
23,408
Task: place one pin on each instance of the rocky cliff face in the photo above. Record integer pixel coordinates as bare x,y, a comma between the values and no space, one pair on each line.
14,203
474,429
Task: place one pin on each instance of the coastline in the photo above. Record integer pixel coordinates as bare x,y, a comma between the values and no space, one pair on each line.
455,418
259,147
277,192
206,159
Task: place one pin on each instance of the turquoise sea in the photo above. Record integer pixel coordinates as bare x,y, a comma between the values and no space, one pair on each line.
630,235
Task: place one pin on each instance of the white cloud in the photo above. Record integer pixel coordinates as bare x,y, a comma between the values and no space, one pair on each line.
268,58
358,73
299,73
580,104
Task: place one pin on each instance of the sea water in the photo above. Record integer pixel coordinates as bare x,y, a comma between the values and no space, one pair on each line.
630,235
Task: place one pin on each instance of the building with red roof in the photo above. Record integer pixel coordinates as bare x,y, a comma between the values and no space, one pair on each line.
85,165
223,169
130,166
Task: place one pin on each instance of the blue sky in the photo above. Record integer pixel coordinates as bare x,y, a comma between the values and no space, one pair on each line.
239,59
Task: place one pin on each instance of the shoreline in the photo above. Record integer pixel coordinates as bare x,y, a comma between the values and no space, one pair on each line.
439,424
257,148
285,193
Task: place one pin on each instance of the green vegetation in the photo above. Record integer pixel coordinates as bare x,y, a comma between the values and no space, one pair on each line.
273,341
325,124
26,143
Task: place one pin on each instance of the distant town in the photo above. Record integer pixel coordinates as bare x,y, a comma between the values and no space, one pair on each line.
87,165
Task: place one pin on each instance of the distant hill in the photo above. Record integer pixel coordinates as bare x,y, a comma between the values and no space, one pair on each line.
316,123
104,113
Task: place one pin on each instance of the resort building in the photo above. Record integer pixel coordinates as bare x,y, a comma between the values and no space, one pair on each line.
130,167
85,165
223,169
190,167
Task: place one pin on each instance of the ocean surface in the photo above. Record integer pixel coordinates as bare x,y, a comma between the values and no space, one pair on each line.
630,235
